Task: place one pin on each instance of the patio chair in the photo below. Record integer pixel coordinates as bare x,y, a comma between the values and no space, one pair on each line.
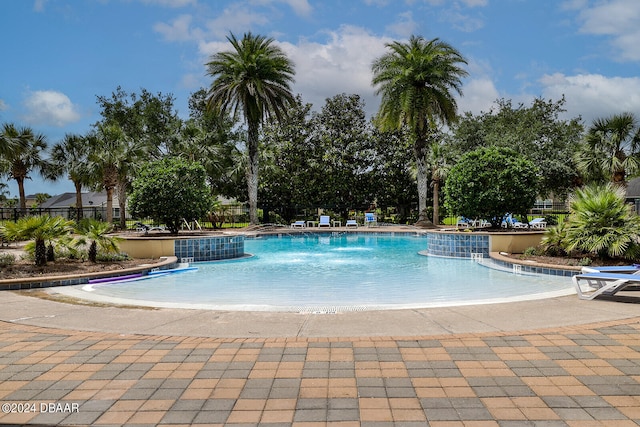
605,284
462,222
325,221
351,223
370,219
538,223
298,224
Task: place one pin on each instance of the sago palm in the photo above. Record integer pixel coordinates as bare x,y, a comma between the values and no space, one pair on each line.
96,235
418,80
253,79
602,223
39,228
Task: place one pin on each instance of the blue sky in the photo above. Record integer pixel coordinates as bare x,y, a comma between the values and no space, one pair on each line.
60,54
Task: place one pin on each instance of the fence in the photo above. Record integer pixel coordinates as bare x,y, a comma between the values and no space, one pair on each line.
228,216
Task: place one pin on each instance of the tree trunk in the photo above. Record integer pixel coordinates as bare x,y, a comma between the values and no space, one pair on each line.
420,150
436,201
109,204
40,252
122,203
23,197
252,172
79,212
422,178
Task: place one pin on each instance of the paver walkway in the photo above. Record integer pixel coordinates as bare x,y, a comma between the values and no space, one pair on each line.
573,376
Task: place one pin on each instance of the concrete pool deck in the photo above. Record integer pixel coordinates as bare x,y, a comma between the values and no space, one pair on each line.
556,362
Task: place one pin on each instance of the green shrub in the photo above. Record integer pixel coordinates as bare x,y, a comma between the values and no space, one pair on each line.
491,181
553,241
601,223
551,220
585,261
531,251
6,260
111,257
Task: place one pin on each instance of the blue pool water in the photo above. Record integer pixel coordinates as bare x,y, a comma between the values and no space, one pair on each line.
324,272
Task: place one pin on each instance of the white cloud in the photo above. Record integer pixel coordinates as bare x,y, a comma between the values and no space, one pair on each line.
3,105
300,7
617,19
341,64
462,21
38,5
376,2
404,25
235,19
170,3
50,108
478,95
475,3
593,95
178,30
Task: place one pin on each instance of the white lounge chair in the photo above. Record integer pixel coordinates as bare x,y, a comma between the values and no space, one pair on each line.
538,223
370,219
462,222
630,269
325,221
605,284
351,223
299,224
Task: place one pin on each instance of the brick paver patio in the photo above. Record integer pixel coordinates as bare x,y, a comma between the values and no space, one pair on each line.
579,376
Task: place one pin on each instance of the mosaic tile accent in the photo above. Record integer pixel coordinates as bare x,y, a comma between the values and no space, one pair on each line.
458,245
69,281
209,248
538,270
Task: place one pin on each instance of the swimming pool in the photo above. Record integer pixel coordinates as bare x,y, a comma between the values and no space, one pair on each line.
340,272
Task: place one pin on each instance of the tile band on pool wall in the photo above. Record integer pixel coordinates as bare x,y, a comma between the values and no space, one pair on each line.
457,245
209,248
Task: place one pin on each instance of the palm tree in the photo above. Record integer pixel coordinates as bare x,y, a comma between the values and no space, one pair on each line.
97,233
23,153
611,148
41,229
602,223
253,79
438,163
9,139
114,157
416,80
70,156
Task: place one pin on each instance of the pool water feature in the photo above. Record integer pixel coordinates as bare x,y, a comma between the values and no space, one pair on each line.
348,272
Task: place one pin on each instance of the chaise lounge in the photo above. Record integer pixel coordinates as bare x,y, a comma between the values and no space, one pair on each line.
325,221
606,283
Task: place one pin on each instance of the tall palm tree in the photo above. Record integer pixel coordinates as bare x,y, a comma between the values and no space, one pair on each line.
611,148
70,156
438,164
23,153
9,139
253,79
417,81
114,157
103,160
